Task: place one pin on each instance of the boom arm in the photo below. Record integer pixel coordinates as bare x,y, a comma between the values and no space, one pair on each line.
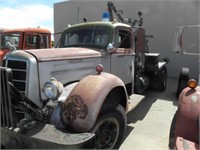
111,7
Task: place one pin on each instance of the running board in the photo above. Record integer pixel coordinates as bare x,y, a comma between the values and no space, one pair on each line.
133,101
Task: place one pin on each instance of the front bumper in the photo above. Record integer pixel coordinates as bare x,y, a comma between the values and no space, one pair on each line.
46,136
182,143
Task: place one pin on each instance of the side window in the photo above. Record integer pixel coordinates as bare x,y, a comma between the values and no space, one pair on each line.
30,40
122,39
71,39
37,41
44,41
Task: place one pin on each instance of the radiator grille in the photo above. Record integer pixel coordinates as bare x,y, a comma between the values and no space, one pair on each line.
19,72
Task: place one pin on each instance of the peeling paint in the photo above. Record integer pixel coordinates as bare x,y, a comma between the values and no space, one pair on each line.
194,98
74,108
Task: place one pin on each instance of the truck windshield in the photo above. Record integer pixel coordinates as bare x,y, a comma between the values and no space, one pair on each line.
90,36
12,38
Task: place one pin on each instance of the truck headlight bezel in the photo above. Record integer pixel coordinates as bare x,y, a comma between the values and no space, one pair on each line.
53,89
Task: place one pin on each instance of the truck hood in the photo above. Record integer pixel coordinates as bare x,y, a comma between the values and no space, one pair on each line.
3,52
64,53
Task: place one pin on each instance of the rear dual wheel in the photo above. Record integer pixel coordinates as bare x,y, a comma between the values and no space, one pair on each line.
159,81
162,82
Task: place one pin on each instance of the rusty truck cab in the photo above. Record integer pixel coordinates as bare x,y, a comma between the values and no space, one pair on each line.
25,38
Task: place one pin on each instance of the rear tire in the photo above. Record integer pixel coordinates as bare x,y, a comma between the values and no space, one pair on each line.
159,80
110,128
183,79
162,82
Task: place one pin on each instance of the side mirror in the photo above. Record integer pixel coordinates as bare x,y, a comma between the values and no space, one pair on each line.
110,48
10,46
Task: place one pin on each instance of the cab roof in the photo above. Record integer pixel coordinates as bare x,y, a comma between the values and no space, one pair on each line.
108,24
37,30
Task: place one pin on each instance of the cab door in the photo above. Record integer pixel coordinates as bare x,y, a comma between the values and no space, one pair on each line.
122,60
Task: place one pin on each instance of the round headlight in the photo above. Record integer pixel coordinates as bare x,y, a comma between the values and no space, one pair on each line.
53,89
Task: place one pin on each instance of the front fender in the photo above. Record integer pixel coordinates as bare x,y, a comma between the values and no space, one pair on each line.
187,122
83,104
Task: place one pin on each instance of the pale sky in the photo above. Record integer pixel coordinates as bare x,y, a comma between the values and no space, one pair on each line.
27,13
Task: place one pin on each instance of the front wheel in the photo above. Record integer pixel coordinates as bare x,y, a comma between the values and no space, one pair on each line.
109,128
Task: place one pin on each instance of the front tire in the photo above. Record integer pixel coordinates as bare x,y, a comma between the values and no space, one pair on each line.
110,128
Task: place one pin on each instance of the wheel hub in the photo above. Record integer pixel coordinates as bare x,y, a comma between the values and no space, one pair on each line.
107,134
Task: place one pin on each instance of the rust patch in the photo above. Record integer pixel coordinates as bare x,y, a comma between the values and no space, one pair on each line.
74,108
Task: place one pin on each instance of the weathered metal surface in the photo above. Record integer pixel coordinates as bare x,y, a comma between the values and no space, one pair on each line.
133,101
8,116
187,124
66,71
183,144
88,95
46,137
27,30
64,53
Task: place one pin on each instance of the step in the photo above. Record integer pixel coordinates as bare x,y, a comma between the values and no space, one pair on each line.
133,101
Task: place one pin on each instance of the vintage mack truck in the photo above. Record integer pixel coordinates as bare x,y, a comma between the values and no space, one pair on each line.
23,39
54,98
184,130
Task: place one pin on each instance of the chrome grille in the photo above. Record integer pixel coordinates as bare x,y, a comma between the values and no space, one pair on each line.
19,71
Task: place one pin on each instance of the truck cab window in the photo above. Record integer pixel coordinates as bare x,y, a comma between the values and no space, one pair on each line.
122,39
89,37
36,41
11,38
